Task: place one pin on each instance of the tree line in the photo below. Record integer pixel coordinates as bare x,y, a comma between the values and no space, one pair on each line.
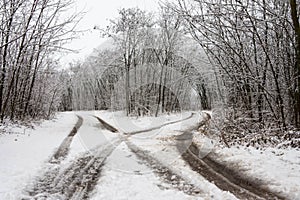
151,68
240,55
30,32
255,48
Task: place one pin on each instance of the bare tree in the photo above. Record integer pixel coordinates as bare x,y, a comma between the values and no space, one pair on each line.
127,31
144,72
294,5
253,45
30,32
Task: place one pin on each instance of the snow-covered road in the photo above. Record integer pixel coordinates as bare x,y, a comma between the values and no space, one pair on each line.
104,155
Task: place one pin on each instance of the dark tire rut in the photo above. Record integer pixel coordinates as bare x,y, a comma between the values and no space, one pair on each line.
165,173
106,125
158,127
221,175
79,178
63,149
75,181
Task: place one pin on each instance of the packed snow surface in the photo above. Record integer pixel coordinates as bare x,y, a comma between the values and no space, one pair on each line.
25,154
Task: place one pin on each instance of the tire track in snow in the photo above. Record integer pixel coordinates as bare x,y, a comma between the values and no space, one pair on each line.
75,181
226,178
221,175
63,149
78,183
81,176
160,126
78,179
106,125
165,173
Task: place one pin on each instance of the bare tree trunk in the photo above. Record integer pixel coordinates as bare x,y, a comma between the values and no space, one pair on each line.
4,57
294,14
127,86
160,88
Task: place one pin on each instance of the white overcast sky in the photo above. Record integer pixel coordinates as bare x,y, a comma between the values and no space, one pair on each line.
97,13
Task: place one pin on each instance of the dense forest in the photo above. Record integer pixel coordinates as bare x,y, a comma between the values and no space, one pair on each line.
240,58
31,31
150,66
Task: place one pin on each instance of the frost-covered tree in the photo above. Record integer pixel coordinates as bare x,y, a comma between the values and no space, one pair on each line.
30,31
150,65
254,46
127,32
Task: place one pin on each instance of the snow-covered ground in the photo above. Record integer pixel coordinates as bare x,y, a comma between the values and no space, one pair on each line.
90,135
276,168
279,169
161,144
125,178
25,155
24,152
132,124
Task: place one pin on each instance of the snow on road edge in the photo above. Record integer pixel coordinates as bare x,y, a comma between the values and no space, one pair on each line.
278,169
23,156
